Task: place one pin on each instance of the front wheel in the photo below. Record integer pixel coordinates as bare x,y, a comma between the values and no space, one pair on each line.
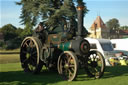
95,64
68,65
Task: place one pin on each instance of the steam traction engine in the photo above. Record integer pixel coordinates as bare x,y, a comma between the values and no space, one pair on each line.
56,51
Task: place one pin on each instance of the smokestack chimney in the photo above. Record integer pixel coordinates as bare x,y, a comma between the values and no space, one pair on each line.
80,19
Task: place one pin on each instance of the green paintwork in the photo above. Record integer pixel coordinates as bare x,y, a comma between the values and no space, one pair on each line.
64,46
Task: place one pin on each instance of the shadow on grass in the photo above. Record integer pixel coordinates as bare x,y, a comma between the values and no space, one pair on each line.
109,72
44,78
115,71
21,78
82,76
52,77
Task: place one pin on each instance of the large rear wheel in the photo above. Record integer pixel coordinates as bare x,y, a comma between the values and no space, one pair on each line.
29,55
68,65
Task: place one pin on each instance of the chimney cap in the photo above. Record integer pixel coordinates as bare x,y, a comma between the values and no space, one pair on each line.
80,7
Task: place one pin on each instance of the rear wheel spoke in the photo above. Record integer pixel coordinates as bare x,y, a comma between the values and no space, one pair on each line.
26,61
26,44
29,54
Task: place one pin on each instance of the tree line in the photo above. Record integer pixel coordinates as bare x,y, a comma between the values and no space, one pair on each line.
113,24
13,36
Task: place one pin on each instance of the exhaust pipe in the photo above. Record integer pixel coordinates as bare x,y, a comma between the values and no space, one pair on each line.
80,19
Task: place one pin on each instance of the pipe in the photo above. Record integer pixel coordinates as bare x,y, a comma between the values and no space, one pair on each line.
80,19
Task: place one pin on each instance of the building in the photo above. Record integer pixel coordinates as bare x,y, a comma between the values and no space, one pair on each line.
118,34
98,29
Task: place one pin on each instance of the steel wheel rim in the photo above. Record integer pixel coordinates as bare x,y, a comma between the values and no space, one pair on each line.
68,66
29,54
96,64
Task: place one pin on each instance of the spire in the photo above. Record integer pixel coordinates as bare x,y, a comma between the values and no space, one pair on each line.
98,23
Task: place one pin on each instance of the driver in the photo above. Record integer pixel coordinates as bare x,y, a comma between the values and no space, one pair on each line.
40,27
41,32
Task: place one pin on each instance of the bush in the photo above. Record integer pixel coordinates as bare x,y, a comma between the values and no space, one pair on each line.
2,45
11,44
14,43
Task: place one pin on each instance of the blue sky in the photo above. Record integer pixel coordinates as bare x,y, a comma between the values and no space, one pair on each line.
107,9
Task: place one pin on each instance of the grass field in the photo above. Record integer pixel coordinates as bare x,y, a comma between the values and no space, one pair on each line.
9,58
12,74
10,51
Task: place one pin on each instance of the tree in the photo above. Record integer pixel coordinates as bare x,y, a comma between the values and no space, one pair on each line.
124,27
9,32
19,31
12,37
113,24
52,12
27,30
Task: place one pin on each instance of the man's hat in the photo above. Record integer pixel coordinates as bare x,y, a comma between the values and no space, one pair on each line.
41,23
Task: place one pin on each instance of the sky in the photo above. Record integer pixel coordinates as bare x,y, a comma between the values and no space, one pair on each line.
107,9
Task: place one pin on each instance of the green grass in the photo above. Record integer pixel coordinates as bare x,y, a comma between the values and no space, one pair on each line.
15,50
9,58
12,74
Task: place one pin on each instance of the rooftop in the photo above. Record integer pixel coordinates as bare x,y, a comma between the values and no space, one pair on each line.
98,23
